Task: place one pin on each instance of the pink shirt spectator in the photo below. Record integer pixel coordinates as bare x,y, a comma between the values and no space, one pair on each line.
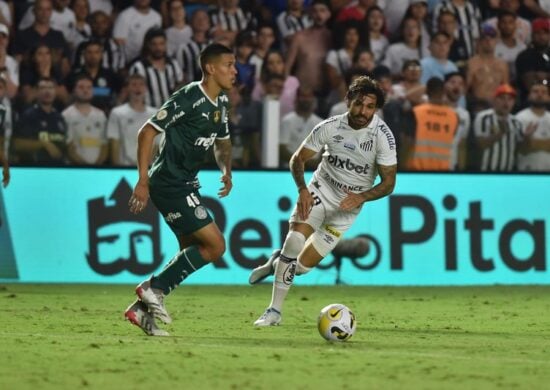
288,95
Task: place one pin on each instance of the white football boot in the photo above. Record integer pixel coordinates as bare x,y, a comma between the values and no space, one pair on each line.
137,314
154,299
263,271
271,317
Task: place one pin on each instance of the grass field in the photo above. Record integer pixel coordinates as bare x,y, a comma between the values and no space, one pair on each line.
74,336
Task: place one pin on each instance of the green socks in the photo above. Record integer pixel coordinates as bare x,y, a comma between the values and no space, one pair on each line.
180,267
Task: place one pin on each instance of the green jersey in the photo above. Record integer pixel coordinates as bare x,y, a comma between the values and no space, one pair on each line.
191,122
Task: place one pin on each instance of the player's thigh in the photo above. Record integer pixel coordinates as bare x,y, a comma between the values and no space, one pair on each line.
184,214
327,236
315,218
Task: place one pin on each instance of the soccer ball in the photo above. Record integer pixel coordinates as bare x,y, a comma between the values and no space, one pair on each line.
336,322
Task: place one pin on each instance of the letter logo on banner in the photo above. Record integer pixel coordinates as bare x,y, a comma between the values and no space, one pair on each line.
120,240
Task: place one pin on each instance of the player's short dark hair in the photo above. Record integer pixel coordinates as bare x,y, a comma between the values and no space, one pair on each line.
212,52
450,75
363,86
435,86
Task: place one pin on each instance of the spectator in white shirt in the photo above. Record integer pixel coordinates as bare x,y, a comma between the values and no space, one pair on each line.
179,31
131,26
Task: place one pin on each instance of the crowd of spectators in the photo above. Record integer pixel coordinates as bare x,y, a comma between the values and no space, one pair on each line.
79,77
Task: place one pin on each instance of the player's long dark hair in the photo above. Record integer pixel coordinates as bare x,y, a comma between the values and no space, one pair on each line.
363,86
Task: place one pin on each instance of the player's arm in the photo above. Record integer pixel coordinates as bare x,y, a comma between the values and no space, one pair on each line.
222,153
297,168
73,155
385,187
140,196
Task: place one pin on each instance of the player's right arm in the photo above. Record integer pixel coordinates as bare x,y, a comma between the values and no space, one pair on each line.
297,167
4,163
140,196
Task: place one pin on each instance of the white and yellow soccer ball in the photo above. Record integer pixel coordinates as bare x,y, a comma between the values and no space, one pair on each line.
336,322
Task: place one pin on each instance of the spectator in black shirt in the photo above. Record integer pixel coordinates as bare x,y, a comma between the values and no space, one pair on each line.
40,33
533,64
113,54
40,135
40,66
106,82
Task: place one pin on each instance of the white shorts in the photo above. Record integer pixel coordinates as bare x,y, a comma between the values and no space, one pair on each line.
328,221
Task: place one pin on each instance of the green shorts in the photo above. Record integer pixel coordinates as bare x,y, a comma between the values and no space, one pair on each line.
185,213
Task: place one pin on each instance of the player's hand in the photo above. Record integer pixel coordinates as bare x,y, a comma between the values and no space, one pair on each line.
351,201
139,198
227,186
305,204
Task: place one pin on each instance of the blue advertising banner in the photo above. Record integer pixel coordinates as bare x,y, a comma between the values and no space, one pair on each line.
73,225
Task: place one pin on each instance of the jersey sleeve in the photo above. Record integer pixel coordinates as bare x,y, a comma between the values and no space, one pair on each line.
386,148
317,139
174,109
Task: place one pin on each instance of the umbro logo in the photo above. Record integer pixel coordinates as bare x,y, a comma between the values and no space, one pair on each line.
337,138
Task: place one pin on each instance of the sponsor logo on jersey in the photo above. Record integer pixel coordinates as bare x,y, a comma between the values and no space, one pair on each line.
206,142
224,115
349,146
206,115
224,98
332,231
217,116
341,186
176,105
176,117
347,164
171,217
162,114
366,146
199,102
337,138
200,212
389,136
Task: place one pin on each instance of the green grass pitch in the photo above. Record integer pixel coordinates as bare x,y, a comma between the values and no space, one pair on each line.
74,337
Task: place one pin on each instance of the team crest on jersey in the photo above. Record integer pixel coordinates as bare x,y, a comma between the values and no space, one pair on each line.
200,212
162,114
217,116
337,138
366,146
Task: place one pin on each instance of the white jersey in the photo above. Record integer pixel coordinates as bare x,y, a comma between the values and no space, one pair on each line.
537,160
86,132
351,155
124,123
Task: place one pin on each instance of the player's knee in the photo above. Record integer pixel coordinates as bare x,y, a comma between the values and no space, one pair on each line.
294,243
323,245
213,251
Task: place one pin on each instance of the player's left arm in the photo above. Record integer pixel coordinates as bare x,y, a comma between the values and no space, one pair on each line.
385,187
222,153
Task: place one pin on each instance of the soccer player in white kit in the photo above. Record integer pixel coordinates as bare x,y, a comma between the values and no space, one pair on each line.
359,145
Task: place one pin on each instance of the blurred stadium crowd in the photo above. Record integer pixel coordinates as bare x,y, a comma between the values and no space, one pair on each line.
79,77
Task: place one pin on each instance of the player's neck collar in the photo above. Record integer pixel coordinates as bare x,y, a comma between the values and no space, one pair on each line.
215,103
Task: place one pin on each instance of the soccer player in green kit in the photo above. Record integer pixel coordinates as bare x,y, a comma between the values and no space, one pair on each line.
193,119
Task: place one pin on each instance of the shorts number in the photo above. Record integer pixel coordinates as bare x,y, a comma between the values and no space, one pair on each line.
192,200
316,199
